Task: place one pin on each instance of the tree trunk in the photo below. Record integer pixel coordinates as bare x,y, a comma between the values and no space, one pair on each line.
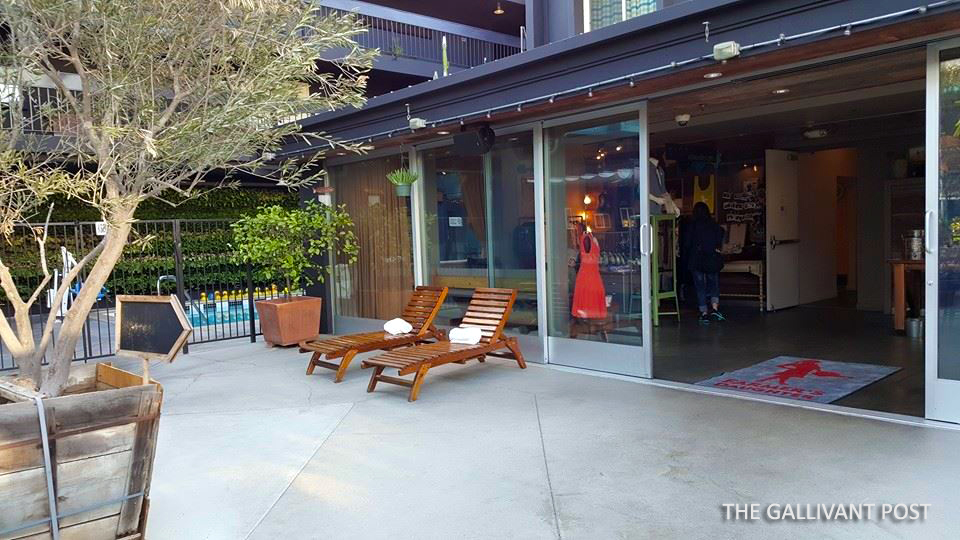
76,316
29,367
29,362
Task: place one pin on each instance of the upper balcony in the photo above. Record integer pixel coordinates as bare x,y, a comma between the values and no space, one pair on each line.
413,44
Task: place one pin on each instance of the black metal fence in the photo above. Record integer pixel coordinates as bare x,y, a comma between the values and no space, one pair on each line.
190,258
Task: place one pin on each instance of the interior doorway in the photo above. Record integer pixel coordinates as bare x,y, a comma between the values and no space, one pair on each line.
816,178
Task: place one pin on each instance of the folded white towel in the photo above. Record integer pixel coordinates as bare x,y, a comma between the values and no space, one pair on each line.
467,336
397,326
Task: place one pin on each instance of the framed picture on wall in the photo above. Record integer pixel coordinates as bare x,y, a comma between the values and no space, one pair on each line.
602,221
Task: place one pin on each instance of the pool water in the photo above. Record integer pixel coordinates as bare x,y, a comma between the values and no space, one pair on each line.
219,313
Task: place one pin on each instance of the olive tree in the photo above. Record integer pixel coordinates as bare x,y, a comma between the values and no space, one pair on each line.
149,98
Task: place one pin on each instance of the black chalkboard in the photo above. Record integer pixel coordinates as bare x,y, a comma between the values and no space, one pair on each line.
150,326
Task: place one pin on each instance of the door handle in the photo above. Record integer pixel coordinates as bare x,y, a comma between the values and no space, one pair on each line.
926,234
774,242
643,228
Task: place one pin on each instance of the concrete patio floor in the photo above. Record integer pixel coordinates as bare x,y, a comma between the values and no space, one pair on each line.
250,447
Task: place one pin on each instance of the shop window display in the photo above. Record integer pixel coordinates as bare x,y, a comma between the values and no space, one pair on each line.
593,230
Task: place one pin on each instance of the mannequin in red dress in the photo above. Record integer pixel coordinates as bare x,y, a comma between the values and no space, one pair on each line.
589,297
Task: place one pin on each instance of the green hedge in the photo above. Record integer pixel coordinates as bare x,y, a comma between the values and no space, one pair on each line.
206,246
215,204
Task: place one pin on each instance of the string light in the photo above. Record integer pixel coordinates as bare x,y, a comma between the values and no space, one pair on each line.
844,29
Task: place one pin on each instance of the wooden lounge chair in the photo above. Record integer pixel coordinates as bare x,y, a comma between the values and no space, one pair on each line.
488,310
422,308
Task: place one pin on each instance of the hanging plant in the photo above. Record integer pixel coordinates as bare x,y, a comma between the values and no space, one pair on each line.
402,179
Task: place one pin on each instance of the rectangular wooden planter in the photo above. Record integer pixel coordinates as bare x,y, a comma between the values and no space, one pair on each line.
287,321
102,434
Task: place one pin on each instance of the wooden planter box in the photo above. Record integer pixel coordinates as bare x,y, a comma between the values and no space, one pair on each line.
102,434
288,321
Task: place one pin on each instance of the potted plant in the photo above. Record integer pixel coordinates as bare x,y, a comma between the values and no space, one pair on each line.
283,244
402,179
158,110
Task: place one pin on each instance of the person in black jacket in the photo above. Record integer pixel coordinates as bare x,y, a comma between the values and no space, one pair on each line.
701,248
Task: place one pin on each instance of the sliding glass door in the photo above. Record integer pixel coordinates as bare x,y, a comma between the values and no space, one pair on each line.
479,224
598,241
942,270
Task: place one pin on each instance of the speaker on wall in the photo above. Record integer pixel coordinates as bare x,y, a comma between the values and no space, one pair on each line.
474,143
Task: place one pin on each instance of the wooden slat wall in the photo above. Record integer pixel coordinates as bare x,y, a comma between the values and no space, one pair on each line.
382,276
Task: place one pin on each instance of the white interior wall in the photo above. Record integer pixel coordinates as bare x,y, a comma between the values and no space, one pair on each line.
818,220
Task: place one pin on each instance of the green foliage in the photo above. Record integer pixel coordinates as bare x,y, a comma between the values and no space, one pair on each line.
283,243
402,177
213,204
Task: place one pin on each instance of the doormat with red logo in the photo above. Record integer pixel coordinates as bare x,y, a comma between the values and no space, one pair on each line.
806,379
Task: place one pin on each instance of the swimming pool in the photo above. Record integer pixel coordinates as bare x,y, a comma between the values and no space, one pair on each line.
220,313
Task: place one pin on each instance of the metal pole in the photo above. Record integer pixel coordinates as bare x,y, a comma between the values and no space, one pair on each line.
253,326
178,268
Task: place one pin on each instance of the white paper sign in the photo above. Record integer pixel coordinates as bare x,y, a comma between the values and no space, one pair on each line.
101,227
455,221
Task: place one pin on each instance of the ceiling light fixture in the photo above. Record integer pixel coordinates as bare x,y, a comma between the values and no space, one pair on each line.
443,132
499,10
815,133
587,199
712,75
781,91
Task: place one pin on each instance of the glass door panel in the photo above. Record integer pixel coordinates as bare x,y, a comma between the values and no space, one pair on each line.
456,227
480,229
943,233
512,233
598,238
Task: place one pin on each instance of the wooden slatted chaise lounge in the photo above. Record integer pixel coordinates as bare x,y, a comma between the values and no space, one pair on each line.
420,312
488,310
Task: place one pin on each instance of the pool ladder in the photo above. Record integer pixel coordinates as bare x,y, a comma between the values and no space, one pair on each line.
191,305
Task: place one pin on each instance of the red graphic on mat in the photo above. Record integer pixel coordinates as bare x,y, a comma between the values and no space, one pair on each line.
799,370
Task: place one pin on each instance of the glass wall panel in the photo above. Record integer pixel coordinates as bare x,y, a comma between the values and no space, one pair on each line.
479,213
512,238
593,230
948,317
378,284
455,213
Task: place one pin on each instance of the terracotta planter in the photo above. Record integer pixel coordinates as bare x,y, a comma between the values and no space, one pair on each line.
102,438
287,321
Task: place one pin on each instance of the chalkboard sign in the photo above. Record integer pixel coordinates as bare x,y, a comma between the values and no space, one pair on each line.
150,327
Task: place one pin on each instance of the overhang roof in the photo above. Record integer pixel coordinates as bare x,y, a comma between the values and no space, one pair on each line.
812,28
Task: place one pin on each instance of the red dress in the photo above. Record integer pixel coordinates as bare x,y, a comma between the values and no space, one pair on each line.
589,297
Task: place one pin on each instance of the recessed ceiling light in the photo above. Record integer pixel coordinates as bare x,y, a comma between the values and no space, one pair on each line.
712,75
499,10
781,91
444,132
341,153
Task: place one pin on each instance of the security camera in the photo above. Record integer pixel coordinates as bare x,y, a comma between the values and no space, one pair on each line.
682,119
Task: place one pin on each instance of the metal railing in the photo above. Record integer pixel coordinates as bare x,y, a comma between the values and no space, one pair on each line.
37,109
404,40
190,258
